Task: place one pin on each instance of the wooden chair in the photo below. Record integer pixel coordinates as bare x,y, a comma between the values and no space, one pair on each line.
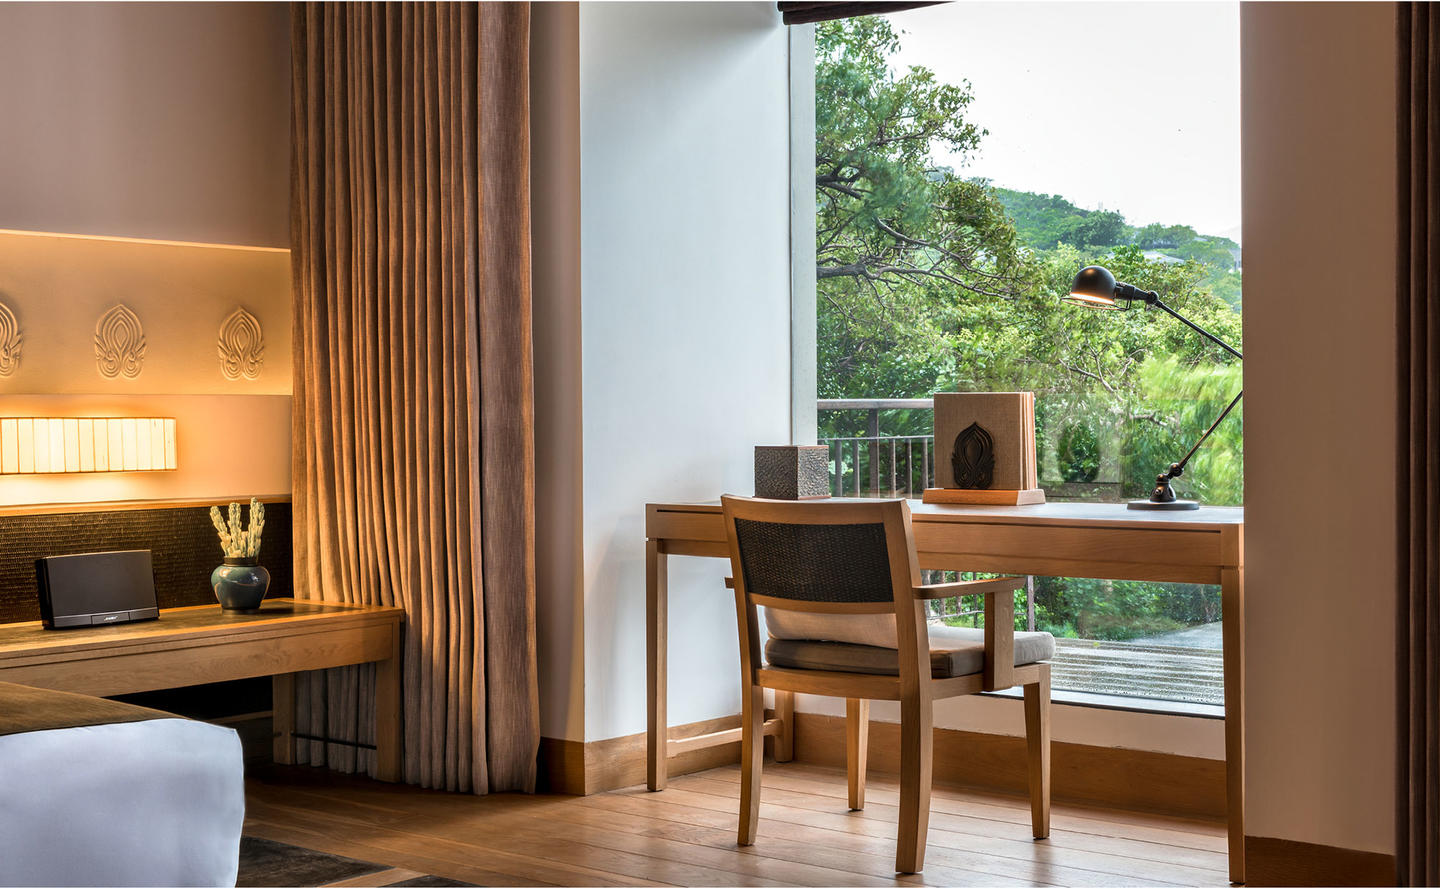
858,558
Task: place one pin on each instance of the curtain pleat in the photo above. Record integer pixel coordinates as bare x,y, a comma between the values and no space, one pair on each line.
1418,315
413,431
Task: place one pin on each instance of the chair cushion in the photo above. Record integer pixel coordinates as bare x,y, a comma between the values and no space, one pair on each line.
954,651
858,629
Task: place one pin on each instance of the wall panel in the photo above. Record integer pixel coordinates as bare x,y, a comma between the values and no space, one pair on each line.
1320,392
59,287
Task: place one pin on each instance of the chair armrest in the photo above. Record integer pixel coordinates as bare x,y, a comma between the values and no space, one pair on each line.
999,622
969,588
999,641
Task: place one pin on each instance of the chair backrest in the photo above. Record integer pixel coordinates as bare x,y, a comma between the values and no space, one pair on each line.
833,556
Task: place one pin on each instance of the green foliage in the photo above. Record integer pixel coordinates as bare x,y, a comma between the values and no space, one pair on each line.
1045,221
1120,610
928,282
1079,453
1188,399
1103,610
904,250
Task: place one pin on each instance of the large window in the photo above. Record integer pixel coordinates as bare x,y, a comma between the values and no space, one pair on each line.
970,159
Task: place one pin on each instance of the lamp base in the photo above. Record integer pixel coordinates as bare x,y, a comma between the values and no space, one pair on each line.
1171,505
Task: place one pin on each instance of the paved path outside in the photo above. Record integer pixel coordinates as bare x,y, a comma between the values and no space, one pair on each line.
1181,666
1203,636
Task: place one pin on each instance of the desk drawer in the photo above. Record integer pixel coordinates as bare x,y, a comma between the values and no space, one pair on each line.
677,524
1061,551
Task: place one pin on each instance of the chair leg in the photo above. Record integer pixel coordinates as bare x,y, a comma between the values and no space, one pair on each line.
752,757
1037,740
857,748
785,712
917,722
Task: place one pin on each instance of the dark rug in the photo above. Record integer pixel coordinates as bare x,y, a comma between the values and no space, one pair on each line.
268,863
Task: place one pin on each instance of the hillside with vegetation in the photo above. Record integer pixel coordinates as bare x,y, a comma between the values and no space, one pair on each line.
1045,221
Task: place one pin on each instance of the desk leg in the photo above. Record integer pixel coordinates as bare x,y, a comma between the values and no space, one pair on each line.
1232,602
387,715
282,718
656,617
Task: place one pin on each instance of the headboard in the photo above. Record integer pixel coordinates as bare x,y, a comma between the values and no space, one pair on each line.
179,535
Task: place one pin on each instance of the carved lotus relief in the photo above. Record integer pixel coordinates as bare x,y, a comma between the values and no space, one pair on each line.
119,344
973,460
9,341
241,346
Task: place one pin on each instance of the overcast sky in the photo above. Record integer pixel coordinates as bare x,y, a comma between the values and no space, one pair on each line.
1158,84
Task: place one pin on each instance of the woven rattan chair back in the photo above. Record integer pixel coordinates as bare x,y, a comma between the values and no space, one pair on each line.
827,553
815,563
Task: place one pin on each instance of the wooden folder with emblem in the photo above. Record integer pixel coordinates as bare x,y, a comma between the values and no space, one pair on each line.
985,449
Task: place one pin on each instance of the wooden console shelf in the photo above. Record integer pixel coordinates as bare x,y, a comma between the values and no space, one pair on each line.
191,646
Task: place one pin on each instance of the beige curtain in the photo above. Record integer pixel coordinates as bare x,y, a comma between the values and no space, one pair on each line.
413,443
1418,638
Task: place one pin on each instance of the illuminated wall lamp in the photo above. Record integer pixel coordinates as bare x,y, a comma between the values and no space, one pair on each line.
32,445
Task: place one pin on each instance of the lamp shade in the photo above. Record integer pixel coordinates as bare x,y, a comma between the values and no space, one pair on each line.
1094,287
86,444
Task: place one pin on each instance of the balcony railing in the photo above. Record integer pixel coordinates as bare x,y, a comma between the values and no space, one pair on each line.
875,465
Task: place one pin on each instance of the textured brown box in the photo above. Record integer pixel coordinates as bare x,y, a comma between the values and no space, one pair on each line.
792,472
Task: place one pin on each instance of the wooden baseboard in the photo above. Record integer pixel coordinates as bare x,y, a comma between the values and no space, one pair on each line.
1109,776
561,767
582,768
1275,862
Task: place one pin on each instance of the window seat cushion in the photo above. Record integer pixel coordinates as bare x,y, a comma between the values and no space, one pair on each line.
954,651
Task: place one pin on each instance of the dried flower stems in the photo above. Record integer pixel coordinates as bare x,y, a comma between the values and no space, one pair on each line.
238,542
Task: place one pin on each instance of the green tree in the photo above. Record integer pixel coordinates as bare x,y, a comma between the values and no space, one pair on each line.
901,244
1079,453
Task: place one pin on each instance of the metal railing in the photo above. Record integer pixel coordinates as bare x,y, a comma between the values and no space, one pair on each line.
875,465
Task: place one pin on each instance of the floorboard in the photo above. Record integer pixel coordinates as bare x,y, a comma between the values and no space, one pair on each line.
685,835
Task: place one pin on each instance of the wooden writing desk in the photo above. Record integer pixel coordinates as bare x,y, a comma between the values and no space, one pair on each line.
190,646
1054,539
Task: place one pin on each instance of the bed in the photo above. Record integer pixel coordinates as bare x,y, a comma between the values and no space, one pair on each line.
96,792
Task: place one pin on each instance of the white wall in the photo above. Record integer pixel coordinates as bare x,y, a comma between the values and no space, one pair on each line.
148,120
555,281
1319,165
685,294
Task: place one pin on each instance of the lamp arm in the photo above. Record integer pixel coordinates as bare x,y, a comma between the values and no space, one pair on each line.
1154,300
1177,468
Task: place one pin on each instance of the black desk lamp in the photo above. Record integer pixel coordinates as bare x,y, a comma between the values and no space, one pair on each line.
1096,288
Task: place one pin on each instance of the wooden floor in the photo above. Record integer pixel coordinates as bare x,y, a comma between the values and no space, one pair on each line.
685,835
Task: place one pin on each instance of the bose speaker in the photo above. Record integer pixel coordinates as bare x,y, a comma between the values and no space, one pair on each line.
96,588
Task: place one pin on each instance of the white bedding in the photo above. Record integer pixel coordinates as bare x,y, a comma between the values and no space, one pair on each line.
153,803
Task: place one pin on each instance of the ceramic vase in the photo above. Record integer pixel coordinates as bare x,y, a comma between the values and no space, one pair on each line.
240,584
